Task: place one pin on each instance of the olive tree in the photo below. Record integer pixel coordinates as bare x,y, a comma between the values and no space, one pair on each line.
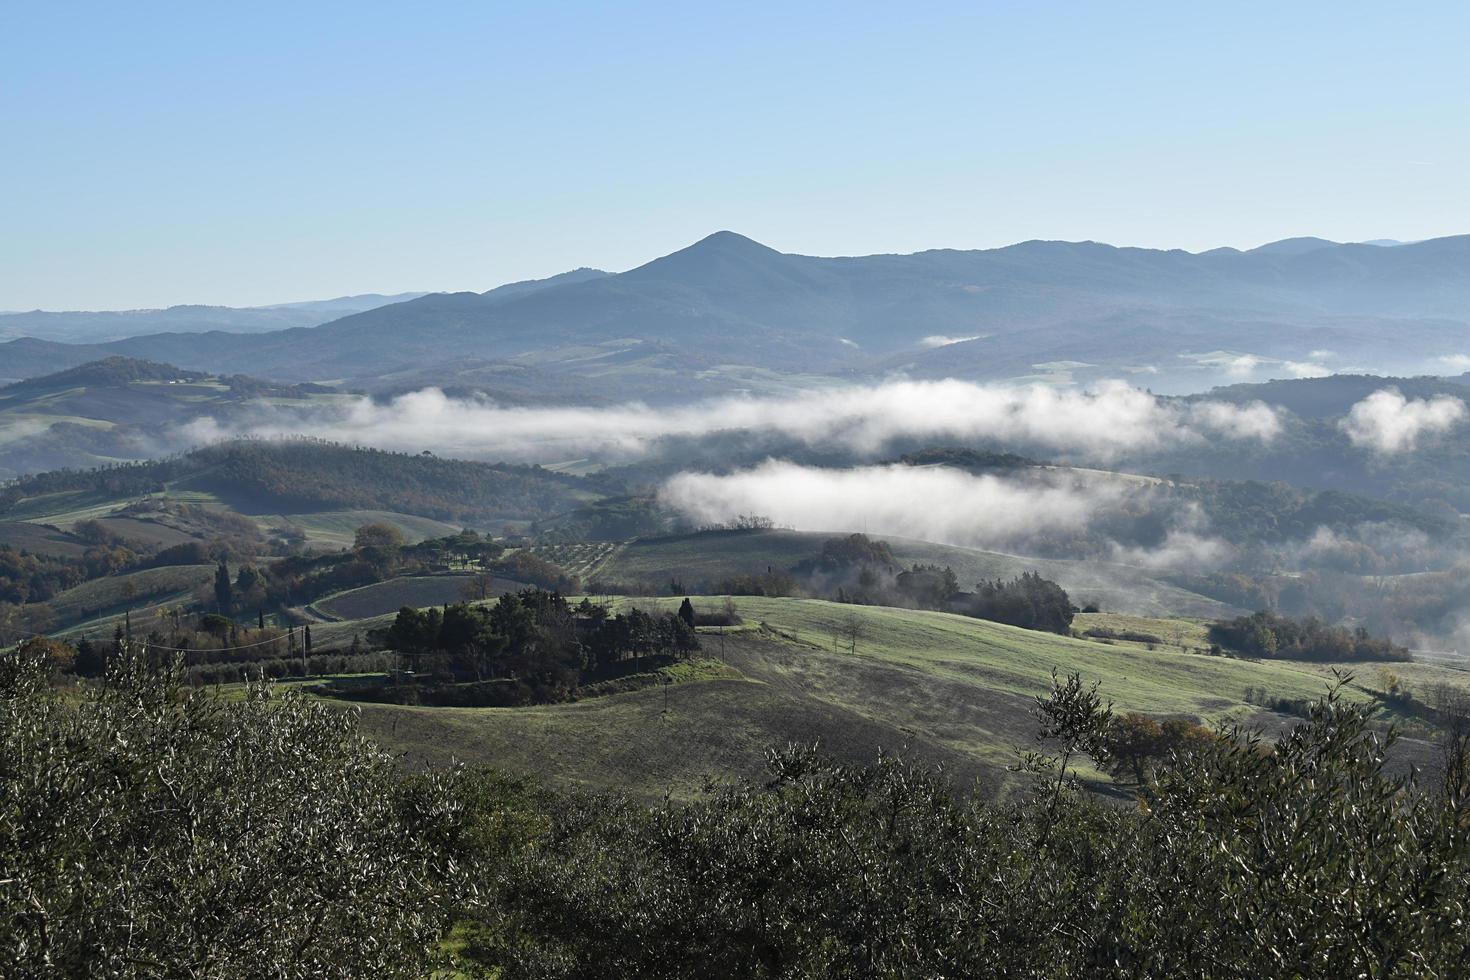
150,832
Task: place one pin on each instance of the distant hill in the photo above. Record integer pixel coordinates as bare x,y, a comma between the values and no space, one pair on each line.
122,408
1057,310
302,476
100,327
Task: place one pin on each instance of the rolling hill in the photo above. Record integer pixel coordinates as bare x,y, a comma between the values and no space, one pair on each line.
710,556
940,688
120,408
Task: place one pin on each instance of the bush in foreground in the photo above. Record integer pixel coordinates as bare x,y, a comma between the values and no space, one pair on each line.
1303,859
149,831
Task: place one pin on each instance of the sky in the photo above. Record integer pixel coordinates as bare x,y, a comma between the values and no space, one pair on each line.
239,154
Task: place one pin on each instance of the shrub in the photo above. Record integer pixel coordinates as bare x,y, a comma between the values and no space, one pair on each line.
153,832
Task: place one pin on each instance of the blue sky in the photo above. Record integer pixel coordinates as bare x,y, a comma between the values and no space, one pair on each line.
158,153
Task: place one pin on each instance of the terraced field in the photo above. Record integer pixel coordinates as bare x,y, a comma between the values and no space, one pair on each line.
583,559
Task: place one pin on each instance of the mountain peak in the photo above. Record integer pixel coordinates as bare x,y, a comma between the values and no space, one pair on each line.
720,252
729,241
1294,246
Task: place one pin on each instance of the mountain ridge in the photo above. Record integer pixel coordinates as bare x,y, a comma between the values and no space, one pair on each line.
729,299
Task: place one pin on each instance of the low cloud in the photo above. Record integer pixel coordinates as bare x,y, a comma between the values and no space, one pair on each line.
1387,422
1181,549
1240,367
929,503
21,430
1097,424
1307,369
941,340
1456,362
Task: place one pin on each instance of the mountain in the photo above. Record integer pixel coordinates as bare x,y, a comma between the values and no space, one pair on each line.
100,327
1294,246
1068,311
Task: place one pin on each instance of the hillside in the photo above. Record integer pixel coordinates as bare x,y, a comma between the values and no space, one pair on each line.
940,688
706,558
123,408
304,476
1015,312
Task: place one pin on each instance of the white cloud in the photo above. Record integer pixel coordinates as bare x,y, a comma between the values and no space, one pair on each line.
21,430
1307,369
1387,422
1241,366
930,503
1458,362
1320,355
940,340
1099,423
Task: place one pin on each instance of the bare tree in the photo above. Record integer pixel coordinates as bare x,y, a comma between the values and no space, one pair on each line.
851,628
479,587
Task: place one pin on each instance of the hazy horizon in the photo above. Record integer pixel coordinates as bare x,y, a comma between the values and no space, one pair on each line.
320,297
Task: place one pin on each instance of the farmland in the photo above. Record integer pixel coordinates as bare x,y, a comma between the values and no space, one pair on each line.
943,688
409,590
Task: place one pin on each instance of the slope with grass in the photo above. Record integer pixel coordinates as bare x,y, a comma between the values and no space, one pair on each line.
711,556
107,598
943,688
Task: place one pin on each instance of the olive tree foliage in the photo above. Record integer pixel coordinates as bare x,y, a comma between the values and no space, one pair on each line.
149,832
1306,858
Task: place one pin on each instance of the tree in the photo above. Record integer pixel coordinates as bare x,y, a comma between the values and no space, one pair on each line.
224,593
851,628
155,832
414,634
479,587
56,655
378,536
686,612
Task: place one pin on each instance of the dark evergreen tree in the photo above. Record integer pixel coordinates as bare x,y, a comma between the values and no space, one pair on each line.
224,590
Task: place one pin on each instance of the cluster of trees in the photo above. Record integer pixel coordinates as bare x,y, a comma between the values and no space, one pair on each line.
1028,601
1266,634
378,554
537,637
152,831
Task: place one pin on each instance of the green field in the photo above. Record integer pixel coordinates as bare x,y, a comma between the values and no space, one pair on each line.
713,555
946,689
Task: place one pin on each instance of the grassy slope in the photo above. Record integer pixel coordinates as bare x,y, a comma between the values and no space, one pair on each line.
944,688
336,528
710,556
90,607
40,540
